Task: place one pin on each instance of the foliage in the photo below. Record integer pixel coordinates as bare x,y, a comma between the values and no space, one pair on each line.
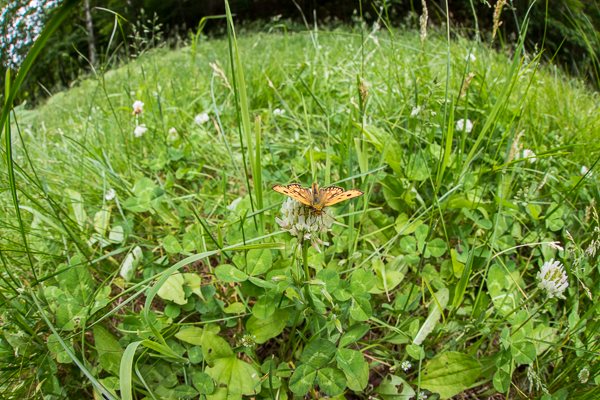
152,265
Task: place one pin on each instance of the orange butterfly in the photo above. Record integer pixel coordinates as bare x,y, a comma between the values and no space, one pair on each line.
315,197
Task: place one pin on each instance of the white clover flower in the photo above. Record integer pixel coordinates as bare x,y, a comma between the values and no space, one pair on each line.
110,194
552,279
140,130
406,365
464,125
530,155
584,375
278,112
304,223
138,107
201,119
470,57
415,111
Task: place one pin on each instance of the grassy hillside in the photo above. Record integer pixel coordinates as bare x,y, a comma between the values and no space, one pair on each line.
158,263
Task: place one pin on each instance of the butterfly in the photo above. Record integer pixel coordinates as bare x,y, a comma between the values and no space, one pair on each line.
315,197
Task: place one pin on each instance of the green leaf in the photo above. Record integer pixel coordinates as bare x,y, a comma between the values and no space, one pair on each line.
450,373
270,327
354,366
362,281
202,382
259,261
395,388
77,207
108,348
102,220
355,332
360,308
331,381
238,376
190,335
172,245
172,289
502,287
523,352
303,379
130,263
235,308
438,304
318,353
229,273
436,247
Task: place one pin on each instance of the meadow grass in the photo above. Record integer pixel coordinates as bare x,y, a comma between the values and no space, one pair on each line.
154,266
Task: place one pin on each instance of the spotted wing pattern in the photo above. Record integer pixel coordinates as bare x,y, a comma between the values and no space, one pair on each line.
296,192
333,194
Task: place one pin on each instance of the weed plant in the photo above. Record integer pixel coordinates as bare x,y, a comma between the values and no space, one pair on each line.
143,254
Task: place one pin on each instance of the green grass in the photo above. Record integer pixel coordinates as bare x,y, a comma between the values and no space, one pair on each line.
184,285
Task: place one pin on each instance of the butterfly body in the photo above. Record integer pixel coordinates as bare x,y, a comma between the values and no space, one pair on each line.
317,198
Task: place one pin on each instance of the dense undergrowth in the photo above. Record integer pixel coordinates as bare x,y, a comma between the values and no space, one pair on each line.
151,265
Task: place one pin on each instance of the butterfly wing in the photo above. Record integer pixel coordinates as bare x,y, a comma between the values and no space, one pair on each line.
333,194
296,192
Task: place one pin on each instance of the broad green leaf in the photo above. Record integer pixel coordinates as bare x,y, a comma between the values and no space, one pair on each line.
192,335
523,352
265,306
77,281
229,273
360,308
395,388
172,245
172,289
108,348
238,376
265,329
436,247
102,220
77,207
318,353
235,308
57,351
355,332
177,392
450,373
502,287
362,281
387,277
259,261
116,234
202,382
354,366
302,379
331,381
130,263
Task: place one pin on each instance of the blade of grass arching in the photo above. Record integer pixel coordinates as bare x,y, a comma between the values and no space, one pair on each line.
126,370
241,101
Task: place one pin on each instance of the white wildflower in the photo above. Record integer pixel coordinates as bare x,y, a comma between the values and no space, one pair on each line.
470,57
415,111
278,112
110,194
304,223
172,135
464,125
138,107
584,375
201,119
530,155
552,279
406,365
584,170
140,130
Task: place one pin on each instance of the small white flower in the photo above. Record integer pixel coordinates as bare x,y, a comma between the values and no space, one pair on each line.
304,223
470,57
140,130
278,112
530,155
201,119
552,279
172,135
110,194
584,170
415,111
138,107
584,375
464,125
406,365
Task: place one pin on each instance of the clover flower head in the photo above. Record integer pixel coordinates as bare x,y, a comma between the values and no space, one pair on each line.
553,279
304,223
140,130
584,375
584,170
172,135
278,112
138,107
530,155
415,111
201,119
110,194
464,125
